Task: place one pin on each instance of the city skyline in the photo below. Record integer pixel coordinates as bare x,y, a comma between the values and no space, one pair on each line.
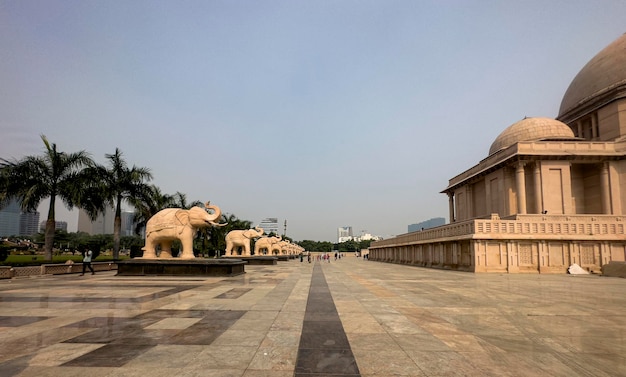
323,114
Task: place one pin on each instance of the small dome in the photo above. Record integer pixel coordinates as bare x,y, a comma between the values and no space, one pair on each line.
600,79
531,129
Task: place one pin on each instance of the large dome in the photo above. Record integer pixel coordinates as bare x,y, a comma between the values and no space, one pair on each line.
599,82
531,129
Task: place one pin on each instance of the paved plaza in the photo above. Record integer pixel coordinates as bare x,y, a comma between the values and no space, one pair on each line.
345,318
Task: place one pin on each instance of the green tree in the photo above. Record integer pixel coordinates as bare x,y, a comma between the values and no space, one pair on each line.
131,241
317,246
79,239
348,246
61,239
308,245
35,178
118,183
96,243
179,200
326,246
364,244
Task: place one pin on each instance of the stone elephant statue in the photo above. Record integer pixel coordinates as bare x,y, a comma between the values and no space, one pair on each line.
178,224
280,247
265,243
241,238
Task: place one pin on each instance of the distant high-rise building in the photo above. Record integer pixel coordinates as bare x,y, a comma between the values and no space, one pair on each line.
366,237
14,222
29,223
269,225
10,219
103,224
436,221
344,233
127,223
58,225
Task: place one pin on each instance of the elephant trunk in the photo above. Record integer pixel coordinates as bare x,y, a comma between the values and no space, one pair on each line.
216,215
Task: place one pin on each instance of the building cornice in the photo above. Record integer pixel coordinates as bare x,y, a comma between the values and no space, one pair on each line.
541,150
592,103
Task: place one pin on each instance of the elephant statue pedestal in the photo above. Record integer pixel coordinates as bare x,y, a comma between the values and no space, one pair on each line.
172,224
254,260
178,267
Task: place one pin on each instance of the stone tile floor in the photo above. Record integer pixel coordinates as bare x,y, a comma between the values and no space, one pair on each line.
398,321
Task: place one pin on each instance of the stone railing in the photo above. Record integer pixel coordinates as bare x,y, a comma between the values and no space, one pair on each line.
550,226
7,272
558,147
520,226
455,230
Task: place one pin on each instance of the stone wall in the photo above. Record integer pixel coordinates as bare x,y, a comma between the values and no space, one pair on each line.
52,269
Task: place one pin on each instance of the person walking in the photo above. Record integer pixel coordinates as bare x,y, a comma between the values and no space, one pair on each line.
87,262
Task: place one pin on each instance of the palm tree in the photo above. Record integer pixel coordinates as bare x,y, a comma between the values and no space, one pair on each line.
179,200
35,178
119,183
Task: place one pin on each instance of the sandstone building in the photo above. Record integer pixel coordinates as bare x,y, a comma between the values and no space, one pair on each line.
550,193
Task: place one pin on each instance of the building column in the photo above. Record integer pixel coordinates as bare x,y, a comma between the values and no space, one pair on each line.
455,254
469,199
606,189
520,181
512,260
542,255
451,206
538,197
594,128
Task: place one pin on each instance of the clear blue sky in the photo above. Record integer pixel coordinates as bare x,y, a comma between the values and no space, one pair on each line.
324,113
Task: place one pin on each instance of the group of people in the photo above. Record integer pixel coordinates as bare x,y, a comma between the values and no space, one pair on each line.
308,256
324,257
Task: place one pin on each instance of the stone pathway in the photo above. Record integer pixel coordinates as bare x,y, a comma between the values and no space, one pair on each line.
324,347
345,318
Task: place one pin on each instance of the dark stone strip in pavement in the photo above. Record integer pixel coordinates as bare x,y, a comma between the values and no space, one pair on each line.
114,300
324,348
